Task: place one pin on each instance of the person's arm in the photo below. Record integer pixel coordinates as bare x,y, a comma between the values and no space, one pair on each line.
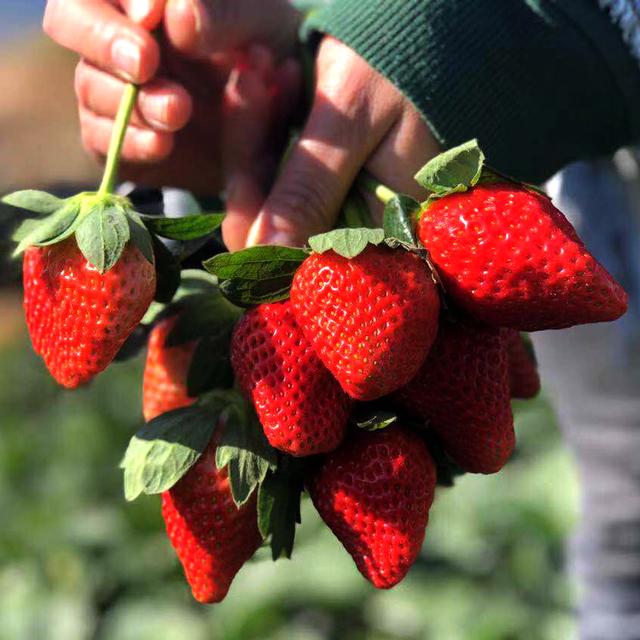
539,82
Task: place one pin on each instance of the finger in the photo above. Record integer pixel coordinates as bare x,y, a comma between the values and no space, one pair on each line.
258,103
140,145
146,13
344,127
161,104
99,32
202,27
246,106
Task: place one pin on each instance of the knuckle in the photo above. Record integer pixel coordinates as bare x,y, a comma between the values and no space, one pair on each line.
304,198
50,18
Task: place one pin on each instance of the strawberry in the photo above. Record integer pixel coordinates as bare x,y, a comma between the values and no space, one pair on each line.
508,257
374,493
524,380
78,318
301,407
371,319
463,392
164,385
211,536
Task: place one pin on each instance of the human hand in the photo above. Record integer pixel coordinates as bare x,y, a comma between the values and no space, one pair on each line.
190,93
358,120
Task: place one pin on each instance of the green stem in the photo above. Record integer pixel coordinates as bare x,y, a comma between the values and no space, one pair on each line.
379,190
110,174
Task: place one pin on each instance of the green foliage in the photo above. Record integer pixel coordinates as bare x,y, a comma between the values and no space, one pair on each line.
184,228
400,214
256,275
163,450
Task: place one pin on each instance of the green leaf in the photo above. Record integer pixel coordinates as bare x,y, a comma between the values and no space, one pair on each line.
346,242
54,228
257,274
279,506
244,450
210,366
379,420
102,235
32,200
453,171
400,214
162,451
184,228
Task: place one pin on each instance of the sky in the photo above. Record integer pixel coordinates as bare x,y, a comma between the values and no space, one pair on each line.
17,15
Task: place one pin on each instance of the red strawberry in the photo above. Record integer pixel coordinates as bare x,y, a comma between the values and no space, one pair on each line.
508,257
78,318
374,493
463,391
371,319
301,407
524,380
165,374
211,536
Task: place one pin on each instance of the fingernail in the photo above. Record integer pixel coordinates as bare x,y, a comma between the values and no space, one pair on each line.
126,56
139,10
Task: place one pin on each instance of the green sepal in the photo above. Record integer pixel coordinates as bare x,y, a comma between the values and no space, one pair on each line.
452,171
378,420
347,243
139,235
33,200
243,449
52,229
102,235
184,228
279,506
400,214
355,212
256,275
162,451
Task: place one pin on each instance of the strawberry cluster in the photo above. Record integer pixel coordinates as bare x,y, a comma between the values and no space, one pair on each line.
366,369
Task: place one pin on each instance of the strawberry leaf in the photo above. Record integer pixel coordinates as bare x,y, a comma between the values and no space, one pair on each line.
54,228
346,242
256,275
452,171
279,506
102,235
32,200
184,228
244,450
164,450
400,214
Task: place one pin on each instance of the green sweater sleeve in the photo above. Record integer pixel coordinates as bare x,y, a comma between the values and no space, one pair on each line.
540,83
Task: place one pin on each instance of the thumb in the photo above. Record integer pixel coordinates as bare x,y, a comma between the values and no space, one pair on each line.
199,28
344,127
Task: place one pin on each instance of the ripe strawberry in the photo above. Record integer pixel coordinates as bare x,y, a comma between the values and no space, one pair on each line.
374,493
524,380
508,257
78,318
301,407
463,392
164,385
371,319
211,536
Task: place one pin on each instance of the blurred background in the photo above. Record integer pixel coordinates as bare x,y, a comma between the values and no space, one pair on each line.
78,563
